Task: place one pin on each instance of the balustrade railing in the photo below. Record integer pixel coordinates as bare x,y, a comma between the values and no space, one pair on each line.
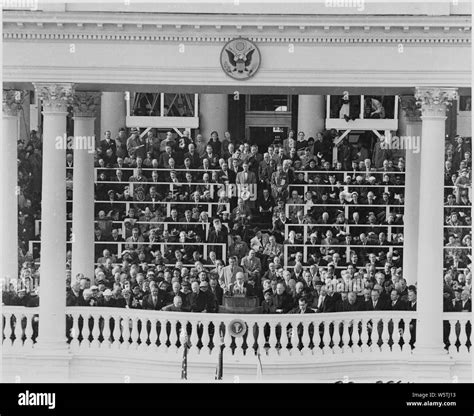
106,329
19,327
316,334
457,330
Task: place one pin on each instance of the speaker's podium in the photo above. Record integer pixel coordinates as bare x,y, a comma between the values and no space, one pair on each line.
240,304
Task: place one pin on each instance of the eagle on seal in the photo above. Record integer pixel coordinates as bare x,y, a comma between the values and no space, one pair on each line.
240,60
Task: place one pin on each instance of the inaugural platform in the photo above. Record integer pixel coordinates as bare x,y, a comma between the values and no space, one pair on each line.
281,191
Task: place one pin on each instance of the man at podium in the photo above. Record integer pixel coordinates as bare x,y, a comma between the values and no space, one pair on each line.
240,288
240,297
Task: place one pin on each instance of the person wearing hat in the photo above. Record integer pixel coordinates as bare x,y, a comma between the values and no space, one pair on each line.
107,299
111,194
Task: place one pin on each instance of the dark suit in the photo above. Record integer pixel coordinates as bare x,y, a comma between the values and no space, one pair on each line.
201,301
298,311
154,202
190,226
399,305
410,307
113,246
329,304
104,145
218,293
107,303
217,237
163,161
248,289
148,303
267,307
379,306
232,175
283,302
346,306
194,158
412,325
467,306
72,299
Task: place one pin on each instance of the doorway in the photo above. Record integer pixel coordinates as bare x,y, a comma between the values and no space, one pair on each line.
268,119
265,136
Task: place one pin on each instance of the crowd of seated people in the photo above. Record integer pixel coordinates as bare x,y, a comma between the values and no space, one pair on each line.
168,226
21,289
154,217
457,288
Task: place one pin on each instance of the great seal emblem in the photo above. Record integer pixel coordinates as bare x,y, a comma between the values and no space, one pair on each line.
240,58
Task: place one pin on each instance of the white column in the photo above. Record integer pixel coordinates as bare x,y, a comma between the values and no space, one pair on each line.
84,106
311,114
52,308
213,110
430,237
34,115
112,112
25,118
9,182
412,201
410,128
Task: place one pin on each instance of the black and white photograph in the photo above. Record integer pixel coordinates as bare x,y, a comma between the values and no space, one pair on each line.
180,178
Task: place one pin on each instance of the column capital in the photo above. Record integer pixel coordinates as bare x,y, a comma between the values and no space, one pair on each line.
12,100
433,101
85,103
56,97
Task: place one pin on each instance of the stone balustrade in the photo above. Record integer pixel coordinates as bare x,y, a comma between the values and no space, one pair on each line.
101,329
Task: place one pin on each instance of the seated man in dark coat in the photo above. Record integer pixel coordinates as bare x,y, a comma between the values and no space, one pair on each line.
302,307
200,300
375,303
282,301
216,290
267,302
351,304
396,302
